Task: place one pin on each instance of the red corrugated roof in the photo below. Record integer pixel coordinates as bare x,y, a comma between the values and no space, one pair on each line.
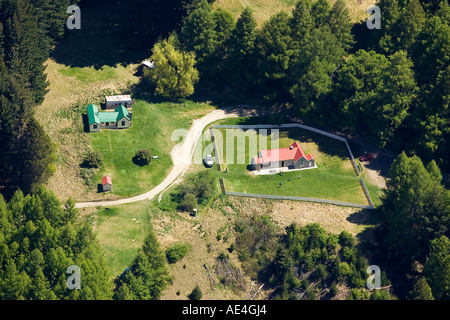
294,152
106,180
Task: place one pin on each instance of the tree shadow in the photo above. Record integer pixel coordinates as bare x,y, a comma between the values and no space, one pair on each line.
326,145
117,32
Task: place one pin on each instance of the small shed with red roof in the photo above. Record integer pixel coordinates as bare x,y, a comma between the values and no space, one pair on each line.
106,183
292,157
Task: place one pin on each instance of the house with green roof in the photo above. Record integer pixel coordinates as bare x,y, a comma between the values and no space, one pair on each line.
120,118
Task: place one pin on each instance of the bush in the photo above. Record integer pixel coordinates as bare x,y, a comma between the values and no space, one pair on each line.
346,239
143,157
93,159
188,203
177,252
196,294
88,176
333,289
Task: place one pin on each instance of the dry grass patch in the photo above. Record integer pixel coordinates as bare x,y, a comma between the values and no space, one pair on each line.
334,219
264,9
198,266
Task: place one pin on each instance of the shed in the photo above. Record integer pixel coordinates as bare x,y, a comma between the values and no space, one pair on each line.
113,102
106,183
148,64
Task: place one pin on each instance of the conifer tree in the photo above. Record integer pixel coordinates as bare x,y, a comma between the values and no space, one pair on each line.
241,63
437,268
274,53
341,24
198,34
148,275
421,290
320,11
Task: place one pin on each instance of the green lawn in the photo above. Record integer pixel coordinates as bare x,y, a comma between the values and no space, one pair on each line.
153,125
121,231
334,179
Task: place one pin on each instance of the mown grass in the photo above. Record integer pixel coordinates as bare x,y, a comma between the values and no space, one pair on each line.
121,231
153,125
89,74
334,179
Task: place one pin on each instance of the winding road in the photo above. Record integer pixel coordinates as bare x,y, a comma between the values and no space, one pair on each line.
181,155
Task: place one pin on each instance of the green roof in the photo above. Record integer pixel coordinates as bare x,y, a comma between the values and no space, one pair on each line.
108,116
99,117
92,111
122,112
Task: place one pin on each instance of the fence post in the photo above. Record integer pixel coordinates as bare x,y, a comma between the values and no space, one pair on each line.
216,151
222,185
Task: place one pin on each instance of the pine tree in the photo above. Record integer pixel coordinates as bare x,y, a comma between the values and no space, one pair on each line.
437,268
148,275
341,24
37,157
320,11
405,30
415,209
274,53
302,23
310,75
24,53
241,65
224,26
431,53
198,34
421,290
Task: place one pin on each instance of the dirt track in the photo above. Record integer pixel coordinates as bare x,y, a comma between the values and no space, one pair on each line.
181,155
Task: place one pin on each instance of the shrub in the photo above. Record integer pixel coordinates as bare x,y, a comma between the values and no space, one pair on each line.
143,157
177,252
196,293
333,289
88,176
188,203
93,159
346,239
345,271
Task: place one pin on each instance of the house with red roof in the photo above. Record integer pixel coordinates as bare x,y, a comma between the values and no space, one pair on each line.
292,157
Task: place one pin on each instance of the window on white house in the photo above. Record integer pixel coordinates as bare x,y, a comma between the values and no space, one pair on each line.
95,126
123,123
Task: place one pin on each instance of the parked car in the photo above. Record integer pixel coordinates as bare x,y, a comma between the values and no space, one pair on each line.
366,157
208,160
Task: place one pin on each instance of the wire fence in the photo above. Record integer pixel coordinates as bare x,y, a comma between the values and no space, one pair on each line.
279,197
293,125
294,198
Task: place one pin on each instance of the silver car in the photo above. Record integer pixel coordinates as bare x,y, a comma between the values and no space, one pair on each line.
208,160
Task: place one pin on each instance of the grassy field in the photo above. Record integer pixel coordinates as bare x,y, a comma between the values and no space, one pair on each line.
153,124
334,179
264,9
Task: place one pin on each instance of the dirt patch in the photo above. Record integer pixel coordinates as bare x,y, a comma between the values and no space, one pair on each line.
332,218
197,267
228,209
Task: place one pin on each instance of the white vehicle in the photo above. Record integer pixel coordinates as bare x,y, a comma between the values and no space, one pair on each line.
208,160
